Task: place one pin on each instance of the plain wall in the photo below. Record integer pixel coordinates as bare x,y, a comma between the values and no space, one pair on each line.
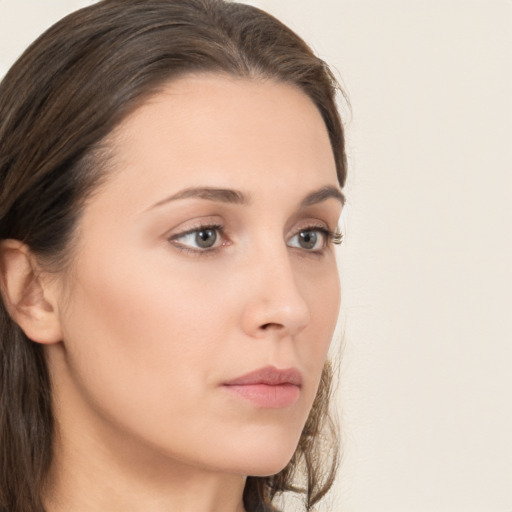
426,380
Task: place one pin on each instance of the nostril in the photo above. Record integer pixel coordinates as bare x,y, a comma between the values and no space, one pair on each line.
270,325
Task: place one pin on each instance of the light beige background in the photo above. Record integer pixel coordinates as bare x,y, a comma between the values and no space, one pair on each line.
426,392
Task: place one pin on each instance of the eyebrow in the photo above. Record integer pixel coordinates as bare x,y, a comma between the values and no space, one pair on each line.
222,195
318,196
226,195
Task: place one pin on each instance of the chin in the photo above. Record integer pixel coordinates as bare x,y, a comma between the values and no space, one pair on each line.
268,468
261,467
264,456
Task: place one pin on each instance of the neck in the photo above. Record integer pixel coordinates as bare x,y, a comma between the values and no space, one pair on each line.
91,478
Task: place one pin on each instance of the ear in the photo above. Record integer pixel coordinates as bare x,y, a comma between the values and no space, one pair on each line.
27,294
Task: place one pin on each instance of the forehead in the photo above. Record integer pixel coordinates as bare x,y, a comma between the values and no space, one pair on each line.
226,132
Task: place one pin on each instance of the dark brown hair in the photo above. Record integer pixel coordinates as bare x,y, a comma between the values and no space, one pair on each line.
58,103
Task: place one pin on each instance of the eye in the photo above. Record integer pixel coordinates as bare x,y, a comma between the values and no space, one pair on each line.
202,238
311,239
205,238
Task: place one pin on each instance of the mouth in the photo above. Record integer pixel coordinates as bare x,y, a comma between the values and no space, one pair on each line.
268,387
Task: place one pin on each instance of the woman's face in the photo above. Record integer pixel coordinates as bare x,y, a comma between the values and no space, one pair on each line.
202,260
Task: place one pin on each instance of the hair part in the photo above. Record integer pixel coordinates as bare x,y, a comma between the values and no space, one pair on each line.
58,104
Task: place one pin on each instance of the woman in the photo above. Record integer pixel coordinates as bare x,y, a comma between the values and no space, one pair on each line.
171,175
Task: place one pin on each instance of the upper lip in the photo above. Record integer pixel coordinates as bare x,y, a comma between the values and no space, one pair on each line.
269,375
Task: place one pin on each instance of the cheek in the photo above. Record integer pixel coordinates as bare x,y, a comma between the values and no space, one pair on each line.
143,315
135,338
322,293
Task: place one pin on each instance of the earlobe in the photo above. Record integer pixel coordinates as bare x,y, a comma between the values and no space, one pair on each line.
26,294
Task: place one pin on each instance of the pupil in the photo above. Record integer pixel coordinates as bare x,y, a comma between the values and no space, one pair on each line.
308,239
206,238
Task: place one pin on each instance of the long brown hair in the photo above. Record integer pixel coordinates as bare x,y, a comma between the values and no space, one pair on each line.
58,103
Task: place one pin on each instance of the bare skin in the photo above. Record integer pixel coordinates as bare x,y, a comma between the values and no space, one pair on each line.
176,289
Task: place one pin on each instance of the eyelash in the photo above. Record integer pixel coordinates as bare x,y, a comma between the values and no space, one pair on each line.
197,251
333,237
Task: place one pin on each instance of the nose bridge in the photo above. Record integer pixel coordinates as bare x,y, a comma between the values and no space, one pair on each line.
276,302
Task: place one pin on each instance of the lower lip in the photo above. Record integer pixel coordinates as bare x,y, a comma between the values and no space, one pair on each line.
267,396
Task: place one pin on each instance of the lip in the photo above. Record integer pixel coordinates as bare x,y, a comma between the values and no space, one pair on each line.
268,387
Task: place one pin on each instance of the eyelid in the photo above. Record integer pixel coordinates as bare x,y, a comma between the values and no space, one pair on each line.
194,224
329,236
334,235
194,229
177,234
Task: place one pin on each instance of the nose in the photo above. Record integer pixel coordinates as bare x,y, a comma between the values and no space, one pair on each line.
274,304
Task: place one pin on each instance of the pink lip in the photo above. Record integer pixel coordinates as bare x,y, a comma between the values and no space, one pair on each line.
268,387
